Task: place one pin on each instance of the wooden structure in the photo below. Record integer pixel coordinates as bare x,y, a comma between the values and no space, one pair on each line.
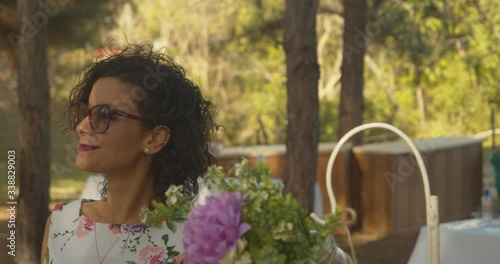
274,155
391,197
382,181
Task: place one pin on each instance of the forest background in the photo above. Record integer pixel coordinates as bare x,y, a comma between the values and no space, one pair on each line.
430,66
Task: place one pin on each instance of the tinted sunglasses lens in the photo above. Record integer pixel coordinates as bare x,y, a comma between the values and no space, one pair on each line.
99,118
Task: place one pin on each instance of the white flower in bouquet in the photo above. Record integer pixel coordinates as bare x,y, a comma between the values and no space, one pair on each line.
250,221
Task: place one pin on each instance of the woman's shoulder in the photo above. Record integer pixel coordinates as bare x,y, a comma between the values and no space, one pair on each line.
67,211
59,207
70,206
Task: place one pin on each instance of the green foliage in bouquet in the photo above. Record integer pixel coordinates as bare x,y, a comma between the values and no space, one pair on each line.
174,210
282,231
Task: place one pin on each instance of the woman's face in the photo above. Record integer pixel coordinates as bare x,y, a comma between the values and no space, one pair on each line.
120,148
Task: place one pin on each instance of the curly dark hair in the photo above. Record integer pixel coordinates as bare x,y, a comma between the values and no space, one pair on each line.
170,99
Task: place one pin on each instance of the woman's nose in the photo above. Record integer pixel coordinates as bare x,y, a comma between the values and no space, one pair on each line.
84,126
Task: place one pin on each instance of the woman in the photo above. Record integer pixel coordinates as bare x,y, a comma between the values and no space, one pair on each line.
145,126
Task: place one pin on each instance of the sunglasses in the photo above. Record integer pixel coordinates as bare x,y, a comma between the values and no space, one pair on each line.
100,117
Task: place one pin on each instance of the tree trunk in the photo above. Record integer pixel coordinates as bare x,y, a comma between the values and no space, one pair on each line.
9,22
302,71
34,159
354,47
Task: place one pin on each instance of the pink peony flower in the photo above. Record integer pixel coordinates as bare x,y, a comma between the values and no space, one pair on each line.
58,206
85,226
214,228
152,255
178,259
115,229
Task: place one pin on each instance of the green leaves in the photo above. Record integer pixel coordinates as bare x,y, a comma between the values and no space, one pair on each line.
281,227
445,49
174,210
281,230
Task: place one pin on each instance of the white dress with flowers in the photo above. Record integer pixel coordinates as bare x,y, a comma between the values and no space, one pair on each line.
74,238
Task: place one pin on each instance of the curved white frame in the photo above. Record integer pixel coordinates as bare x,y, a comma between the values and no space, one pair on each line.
431,201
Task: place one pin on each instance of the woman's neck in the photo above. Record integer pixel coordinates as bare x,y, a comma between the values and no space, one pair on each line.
126,194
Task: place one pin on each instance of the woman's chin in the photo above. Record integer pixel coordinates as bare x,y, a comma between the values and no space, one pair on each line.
86,167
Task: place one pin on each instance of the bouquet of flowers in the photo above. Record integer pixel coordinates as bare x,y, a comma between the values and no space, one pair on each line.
248,220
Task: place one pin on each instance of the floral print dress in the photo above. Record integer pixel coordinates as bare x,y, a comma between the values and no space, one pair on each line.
74,238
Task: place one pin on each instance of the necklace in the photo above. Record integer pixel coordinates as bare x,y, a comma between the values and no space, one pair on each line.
97,248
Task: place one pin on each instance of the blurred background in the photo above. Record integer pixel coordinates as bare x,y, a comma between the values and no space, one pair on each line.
431,67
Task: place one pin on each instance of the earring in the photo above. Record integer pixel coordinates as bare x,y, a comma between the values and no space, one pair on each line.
164,142
146,150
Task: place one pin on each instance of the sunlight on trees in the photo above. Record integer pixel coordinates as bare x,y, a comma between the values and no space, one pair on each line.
431,67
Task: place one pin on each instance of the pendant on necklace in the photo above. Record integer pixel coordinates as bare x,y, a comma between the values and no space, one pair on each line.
101,261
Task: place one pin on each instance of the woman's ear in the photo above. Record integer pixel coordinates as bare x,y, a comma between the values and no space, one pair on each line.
156,139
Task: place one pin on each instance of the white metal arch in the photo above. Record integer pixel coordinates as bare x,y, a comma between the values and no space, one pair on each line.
431,201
